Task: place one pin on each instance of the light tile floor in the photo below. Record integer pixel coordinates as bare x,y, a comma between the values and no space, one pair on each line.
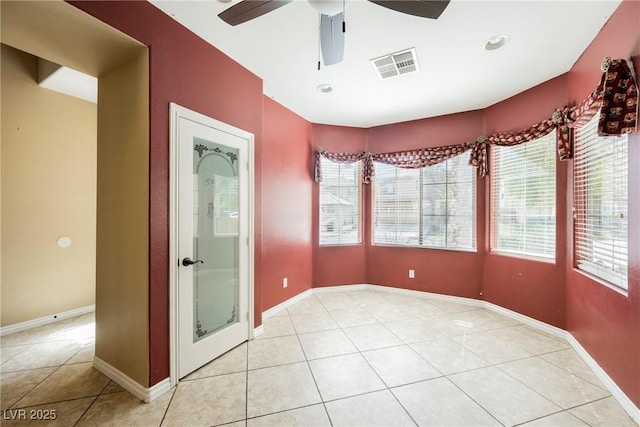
356,358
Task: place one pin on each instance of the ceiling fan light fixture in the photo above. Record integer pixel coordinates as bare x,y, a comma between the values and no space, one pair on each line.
329,7
496,42
324,88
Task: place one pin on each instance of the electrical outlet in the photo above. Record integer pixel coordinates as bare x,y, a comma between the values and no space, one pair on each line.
285,282
412,274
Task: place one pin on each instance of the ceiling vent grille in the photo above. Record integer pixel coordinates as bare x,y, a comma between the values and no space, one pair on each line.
396,64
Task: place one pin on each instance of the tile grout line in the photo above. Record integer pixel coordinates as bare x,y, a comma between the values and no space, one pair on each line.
281,411
474,401
362,355
15,355
90,405
166,410
572,373
495,365
590,403
246,387
285,364
567,410
324,405
34,387
388,389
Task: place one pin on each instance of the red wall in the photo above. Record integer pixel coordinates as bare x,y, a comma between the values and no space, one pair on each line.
438,271
286,204
534,288
186,70
605,322
337,265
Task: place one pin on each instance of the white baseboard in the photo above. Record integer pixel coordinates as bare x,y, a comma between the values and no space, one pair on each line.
258,331
274,310
340,288
536,324
613,388
617,393
29,324
146,394
427,295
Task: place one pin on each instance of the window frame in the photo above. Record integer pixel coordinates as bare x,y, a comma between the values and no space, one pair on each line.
604,276
420,215
360,205
493,228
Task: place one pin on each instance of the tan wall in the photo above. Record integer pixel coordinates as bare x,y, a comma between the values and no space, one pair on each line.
122,275
61,33
48,191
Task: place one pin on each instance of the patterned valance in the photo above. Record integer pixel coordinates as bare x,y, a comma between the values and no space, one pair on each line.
403,159
421,158
367,169
479,153
615,99
619,111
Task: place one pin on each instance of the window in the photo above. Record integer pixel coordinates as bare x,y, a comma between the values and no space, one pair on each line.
339,203
430,207
225,205
523,189
600,189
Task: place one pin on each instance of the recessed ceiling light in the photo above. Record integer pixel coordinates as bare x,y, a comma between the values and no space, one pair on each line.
324,88
496,42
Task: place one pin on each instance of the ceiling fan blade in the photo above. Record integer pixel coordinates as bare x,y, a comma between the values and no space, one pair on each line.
422,8
331,38
247,10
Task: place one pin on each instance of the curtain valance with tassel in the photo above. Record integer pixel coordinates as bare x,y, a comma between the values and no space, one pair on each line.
615,99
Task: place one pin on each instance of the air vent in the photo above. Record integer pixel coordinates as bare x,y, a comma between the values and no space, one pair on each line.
396,64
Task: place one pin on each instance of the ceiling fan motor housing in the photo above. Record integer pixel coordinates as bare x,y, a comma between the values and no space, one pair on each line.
329,7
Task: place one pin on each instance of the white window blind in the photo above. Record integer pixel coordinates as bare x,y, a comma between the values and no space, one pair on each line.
225,205
523,189
340,203
431,207
600,188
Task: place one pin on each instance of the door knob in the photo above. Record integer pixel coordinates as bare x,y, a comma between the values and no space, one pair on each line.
187,262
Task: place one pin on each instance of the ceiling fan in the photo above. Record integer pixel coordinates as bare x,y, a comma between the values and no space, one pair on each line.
332,25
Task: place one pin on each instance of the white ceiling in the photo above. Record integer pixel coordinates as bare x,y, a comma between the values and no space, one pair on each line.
68,81
456,73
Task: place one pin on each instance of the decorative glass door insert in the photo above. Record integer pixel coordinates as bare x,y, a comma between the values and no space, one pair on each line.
215,237
211,206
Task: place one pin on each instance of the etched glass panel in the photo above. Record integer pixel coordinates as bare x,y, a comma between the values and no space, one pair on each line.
215,237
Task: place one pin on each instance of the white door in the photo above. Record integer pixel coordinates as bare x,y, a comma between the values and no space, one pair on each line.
212,223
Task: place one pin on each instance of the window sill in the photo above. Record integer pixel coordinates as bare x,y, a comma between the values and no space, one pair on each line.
434,248
523,256
585,272
338,245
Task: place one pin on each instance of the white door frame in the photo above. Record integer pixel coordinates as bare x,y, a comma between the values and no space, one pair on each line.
175,113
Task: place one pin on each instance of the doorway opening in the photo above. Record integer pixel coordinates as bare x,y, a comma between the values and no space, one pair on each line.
62,34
